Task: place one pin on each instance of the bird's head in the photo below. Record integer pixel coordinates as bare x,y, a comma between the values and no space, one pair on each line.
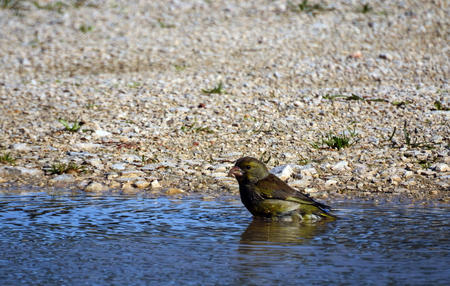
248,169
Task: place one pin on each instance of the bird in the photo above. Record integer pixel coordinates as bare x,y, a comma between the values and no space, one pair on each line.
267,196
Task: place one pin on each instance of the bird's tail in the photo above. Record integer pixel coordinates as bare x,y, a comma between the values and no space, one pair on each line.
325,213
319,211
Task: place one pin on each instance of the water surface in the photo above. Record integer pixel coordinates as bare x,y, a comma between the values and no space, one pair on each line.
118,240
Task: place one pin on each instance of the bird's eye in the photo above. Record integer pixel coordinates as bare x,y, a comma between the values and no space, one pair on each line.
248,167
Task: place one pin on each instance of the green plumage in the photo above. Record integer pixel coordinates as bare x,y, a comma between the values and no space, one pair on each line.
266,195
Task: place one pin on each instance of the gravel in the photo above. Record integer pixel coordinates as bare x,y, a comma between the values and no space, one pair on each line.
133,76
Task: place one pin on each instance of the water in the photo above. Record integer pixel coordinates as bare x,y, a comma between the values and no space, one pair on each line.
80,240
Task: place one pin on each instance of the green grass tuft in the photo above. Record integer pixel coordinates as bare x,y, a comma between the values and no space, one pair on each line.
63,168
306,7
57,6
218,89
196,129
411,139
70,126
337,141
439,106
7,159
162,24
365,8
85,28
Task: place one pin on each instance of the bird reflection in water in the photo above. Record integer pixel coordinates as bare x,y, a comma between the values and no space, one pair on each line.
267,248
261,230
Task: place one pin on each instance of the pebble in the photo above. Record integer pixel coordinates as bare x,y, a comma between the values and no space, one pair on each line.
311,190
95,187
385,56
141,184
129,189
219,175
62,179
440,167
118,166
330,183
340,166
114,185
155,184
6,171
426,172
174,191
408,174
283,172
131,174
149,167
222,168
86,146
96,163
99,133
307,171
21,147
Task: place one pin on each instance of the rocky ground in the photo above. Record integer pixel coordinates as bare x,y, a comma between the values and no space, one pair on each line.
347,100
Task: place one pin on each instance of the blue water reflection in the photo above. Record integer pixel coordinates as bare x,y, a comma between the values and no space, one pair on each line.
76,239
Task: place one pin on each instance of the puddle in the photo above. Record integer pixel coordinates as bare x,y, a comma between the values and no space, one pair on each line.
121,240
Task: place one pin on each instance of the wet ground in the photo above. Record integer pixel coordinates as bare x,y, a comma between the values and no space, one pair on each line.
82,240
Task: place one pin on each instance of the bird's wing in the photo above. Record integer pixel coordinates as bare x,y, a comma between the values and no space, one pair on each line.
272,187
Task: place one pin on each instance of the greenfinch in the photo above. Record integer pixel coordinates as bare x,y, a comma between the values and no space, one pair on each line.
266,195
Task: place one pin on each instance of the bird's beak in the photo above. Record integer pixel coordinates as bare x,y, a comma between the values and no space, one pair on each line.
235,172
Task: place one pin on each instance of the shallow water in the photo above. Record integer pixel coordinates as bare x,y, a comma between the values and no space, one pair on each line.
75,240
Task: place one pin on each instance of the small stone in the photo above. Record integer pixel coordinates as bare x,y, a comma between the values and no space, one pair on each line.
219,175
128,188
340,166
410,182
408,174
174,191
311,190
87,146
118,166
114,185
22,147
99,133
19,171
232,155
155,184
356,55
376,76
130,158
385,56
80,154
63,179
127,179
426,172
141,184
440,167
283,171
131,174
222,168
330,183
150,167
97,163
395,178
168,164
307,171
95,187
